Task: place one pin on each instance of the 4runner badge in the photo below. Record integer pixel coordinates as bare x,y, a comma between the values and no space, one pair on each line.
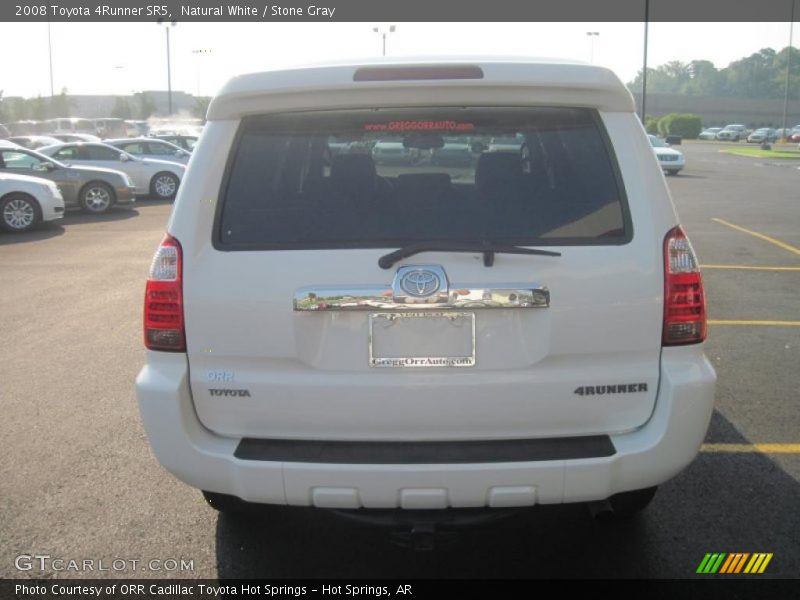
620,388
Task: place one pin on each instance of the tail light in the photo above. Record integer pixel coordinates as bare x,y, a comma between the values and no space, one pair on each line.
684,298
163,299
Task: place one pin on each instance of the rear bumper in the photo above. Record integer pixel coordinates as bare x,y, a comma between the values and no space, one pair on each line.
643,458
676,165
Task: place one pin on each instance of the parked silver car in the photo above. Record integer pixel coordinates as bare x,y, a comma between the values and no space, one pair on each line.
185,141
147,147
733,133
33,141
764,134
94,190
157,178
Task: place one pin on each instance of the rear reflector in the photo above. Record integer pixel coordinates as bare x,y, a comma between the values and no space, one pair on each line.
684,298
418,73
163,299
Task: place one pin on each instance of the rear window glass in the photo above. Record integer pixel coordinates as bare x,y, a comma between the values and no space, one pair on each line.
392,177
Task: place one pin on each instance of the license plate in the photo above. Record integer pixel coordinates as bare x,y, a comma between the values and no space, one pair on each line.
422,339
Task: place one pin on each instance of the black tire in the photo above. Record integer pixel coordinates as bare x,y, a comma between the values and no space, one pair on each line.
19,212
96,197
164,185
672,172
227,505
628,504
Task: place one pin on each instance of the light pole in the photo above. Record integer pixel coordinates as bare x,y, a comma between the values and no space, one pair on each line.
169,66
592,35
786,83
644,67
50,56
118,75
199,52
383,33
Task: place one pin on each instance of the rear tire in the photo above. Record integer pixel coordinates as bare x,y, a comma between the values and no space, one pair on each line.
19,212
96,197
672,172
164,186
628,504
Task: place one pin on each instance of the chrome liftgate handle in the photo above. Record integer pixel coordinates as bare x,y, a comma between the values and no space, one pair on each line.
421,287
317,299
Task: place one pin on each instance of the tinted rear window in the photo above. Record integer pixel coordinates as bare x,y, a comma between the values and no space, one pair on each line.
392,177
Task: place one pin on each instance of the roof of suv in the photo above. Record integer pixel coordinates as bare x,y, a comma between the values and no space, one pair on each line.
398,82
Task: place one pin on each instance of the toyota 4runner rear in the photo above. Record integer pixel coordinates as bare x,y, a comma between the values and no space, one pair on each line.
342,316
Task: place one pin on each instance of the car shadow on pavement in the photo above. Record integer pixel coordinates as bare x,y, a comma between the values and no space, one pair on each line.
114,214
44,232
687,176
720,503
152,201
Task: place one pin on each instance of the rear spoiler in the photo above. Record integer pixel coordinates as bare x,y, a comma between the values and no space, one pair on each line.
487,84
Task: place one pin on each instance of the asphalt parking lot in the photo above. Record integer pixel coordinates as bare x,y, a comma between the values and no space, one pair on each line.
79,482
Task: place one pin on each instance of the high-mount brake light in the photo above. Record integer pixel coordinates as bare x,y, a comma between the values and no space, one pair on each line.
424,72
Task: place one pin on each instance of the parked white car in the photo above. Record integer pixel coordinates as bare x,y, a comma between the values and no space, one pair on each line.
157,178
27,201
709,133
512,143
672,161
391,153
74,137
148,147
323,331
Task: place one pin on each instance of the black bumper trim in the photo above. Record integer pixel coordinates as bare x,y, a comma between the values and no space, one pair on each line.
455,452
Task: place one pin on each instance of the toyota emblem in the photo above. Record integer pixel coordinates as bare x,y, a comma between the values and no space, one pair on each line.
420,283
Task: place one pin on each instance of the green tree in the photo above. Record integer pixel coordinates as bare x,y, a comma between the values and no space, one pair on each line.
753,76
779,75
146,106
651,124
686,125
19,109
122,108
705,79
677,73
200,107
38,108
61,105
4,109
760,75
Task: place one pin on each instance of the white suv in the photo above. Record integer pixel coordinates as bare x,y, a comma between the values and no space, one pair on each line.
522,328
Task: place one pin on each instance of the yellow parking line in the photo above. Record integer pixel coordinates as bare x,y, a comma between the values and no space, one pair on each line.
750,268
766,238
756,323
751,448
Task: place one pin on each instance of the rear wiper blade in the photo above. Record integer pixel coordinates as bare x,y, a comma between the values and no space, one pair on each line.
488,248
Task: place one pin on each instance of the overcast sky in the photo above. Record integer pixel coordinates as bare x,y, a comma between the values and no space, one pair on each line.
121,58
